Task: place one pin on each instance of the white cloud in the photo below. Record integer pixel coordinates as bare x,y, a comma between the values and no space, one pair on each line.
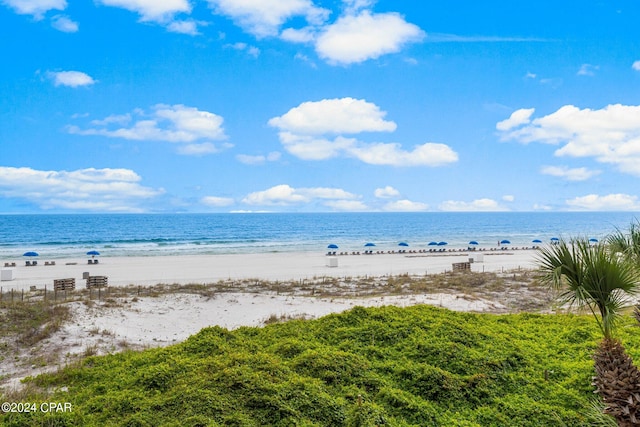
258,160
357,38
184,27
609,135
508,198
112,190
170,123
64,24
610,202
479,205
285,195
387,192
303,130
575,174
71,78
391,154
217,202
152,10
636,65
337,116
588,70
37,8
264,18
298,35
405,206
517,118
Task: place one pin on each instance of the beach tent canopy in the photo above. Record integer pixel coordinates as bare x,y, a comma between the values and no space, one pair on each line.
433,243
93,253
505,242
332,246
473,242
403,244
442,243
369,244
30,253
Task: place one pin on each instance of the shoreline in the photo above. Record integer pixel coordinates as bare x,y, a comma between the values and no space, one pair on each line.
203,269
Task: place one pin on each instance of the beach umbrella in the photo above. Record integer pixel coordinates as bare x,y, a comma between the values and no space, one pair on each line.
505,242
433,244
473,242
369,244
442,243
30,253
332,246
93,253
403,244
536,241
592,240
555,239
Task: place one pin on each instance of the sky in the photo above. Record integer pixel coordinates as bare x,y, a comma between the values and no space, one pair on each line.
319,106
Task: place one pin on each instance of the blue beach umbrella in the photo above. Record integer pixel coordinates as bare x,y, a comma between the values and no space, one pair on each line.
433,244
30,254
536,241
473,242
403,244
505,242
369,244
332,246
592,240
555,239
442,243
93,253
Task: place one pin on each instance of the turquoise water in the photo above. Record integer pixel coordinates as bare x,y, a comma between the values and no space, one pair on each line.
59,236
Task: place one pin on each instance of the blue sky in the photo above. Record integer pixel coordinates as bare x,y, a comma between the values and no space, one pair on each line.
310,105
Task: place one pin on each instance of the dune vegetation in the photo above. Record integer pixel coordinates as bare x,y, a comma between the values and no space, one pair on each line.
417,366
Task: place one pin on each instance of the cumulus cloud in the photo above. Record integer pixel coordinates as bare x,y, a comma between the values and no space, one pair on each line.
306,130
479,205
337,116
251,50
71,78
570,174
387,192
355,38
286,195
108,190
517,118
405,206
636,65
508,198
609,135
64,24
188,26
170,123
264,18
610,202
37,8
217,202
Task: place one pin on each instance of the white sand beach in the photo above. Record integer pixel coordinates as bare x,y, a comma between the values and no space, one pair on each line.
122,271
134,322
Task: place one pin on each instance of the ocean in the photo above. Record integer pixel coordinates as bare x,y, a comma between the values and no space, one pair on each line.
63,236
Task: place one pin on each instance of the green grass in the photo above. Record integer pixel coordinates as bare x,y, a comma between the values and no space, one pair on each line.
417,366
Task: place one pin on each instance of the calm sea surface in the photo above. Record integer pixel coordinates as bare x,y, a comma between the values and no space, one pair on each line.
60,236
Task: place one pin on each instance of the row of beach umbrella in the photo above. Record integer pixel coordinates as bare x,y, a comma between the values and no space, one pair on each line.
472,242
35,254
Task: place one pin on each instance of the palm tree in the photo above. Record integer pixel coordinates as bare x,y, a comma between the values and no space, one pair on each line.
627,244
598,279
